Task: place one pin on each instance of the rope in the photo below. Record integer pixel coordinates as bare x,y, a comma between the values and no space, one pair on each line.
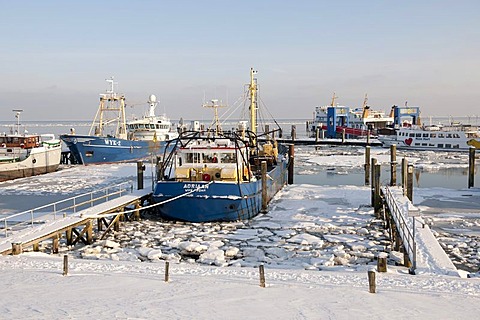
147,207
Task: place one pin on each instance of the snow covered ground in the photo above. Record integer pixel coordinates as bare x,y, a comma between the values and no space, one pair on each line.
317,243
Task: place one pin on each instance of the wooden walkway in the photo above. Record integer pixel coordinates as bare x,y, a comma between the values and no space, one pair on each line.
32,236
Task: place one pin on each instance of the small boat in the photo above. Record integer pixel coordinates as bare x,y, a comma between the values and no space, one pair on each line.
25,155
112,139
453,137
358,122
217,176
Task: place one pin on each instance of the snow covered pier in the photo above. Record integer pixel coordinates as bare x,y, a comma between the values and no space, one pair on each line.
77,225
421,246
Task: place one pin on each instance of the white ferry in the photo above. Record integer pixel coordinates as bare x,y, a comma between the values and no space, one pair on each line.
454,137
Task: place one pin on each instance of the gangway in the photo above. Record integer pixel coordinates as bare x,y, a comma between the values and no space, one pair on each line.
51,220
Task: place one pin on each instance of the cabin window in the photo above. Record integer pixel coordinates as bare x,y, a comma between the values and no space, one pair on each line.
431,145
425,135
440,145
89,153
227,158
441,135
448,145
411,135
136,126
449,135
418,135
433,135
417,144
193,158
157,126
456,146
424,144
456,135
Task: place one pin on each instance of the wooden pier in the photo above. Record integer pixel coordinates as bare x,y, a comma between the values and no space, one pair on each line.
77,226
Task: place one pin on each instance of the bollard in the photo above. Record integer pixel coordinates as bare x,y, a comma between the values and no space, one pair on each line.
167,267
294,132
55,244
262,276
264,186
372,286
378,198
65,265
471,167
291,157
36,247
393,165
367,165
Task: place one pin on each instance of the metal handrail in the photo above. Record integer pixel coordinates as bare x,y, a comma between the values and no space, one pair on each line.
406,231
71,204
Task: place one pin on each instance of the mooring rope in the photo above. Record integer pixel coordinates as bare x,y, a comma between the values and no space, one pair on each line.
147,207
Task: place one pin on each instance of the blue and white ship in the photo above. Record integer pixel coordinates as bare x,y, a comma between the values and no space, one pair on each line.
218,176
112,139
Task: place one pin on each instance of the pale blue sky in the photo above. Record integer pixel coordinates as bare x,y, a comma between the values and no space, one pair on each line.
56,55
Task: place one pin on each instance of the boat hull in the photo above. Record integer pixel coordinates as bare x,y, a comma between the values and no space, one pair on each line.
40,160
95,150
202,201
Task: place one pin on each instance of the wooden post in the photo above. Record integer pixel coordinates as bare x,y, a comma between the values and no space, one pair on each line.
291,157
167,267
393,165
378,198
343,135
382,263
69,235
136,214
471,167
404,175
367,165
294,132
140,169
406,259
317,134
266,132
372,187
55,244
368,136
264,186
89,231
36,247
372,286
262,276
322,134
65,265
410,182
17,248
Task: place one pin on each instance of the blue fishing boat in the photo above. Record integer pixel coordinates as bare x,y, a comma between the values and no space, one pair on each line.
112,139
217,176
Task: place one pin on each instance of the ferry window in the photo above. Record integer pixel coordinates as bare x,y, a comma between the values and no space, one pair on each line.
425,135
158,126
89,153
227,158
449,135
441,135
440,145
411,135
418,135
417,144
448,145
456,146
431,145
456,135
432,135
424,144
193,158
136,126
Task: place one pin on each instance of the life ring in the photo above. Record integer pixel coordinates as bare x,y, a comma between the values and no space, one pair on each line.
206,177
22,146
34,161
4,145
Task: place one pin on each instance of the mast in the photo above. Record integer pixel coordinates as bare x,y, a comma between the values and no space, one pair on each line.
110,102
253,101
333,100
17,115
215,107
